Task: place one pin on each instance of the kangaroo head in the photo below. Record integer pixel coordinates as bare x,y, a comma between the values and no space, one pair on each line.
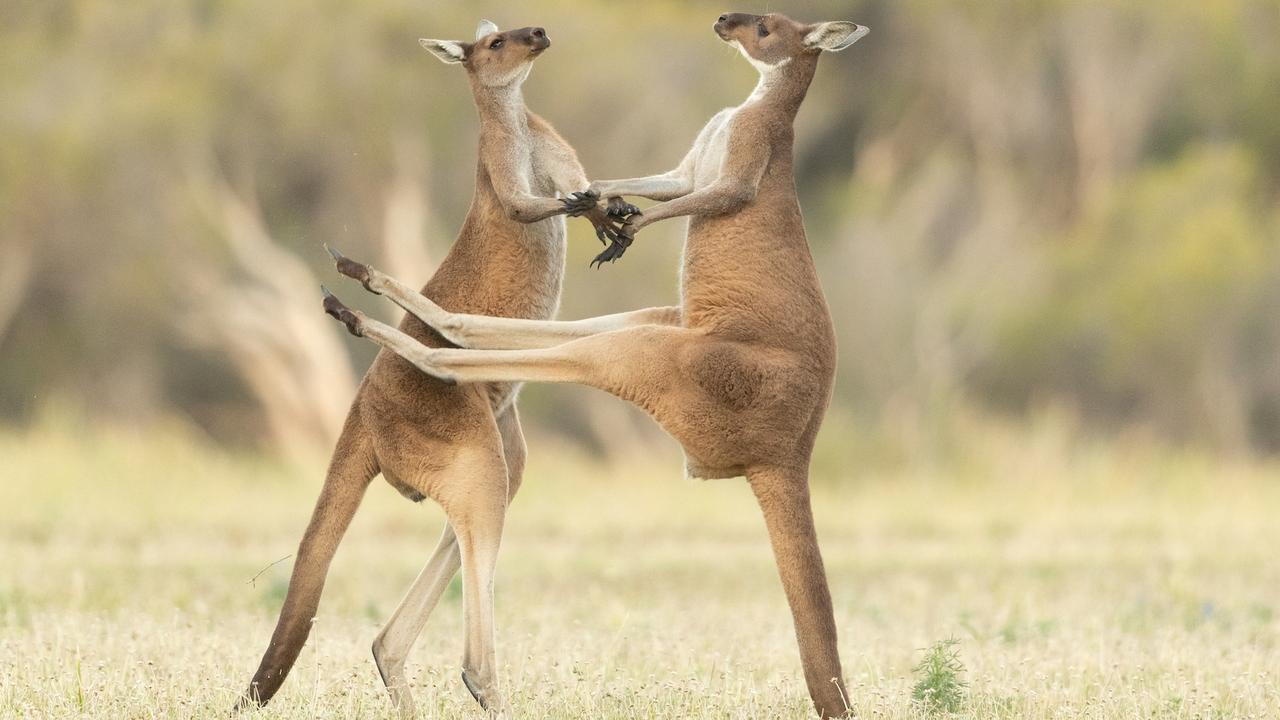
775,39
495,58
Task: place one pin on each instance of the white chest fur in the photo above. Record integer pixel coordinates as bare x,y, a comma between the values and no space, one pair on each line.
715,145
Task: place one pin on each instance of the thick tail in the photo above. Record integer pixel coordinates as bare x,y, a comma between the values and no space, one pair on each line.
784,499
352,467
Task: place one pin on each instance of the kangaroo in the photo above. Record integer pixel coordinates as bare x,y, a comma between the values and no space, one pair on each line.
461,446
741,373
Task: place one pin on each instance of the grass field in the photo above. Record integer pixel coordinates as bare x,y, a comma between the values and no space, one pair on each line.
1079,583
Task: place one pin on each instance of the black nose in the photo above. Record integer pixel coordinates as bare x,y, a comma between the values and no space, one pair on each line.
722,18
539,33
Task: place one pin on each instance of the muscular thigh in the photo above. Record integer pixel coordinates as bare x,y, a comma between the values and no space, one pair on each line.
728,403
437,445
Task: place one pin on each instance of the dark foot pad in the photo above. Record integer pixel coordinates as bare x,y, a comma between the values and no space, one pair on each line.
334,308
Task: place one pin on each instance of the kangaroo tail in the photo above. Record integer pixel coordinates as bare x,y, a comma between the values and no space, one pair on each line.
350,470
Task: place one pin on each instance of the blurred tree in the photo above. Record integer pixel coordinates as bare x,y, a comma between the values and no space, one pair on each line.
1012,204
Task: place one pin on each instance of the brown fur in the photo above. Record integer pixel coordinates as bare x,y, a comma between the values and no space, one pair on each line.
742,373
461,446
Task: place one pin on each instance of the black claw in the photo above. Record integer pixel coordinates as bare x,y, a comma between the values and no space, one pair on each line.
610,254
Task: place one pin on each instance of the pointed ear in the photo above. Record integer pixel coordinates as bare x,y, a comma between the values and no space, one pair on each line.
834,36
486,27
449,51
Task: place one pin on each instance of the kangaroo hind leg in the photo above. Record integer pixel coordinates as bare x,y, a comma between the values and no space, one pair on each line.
392,646
352,468
476,505
783,495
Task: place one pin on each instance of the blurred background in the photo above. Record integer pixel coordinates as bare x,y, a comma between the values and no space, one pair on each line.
1017,208
1049,232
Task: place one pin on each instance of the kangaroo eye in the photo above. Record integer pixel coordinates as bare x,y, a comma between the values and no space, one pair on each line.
764,32
495,44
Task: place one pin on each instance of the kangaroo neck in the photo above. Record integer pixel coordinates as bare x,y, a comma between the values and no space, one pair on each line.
501,105
783,87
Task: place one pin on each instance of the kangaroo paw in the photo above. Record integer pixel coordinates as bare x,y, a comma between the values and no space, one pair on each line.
613,252
580,202
619,208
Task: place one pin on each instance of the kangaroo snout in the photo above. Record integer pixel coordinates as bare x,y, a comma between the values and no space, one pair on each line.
536,38
728,21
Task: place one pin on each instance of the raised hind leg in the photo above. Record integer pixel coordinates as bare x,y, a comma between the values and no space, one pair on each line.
634,363
392,646
485,332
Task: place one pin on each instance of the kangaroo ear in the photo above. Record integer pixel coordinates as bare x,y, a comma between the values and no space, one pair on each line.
834,36
486,27
449,51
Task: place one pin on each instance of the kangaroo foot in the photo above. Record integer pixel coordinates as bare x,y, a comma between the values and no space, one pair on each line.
487,695
334,308
352,269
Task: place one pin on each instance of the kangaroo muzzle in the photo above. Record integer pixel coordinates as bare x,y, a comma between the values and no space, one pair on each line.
728,22
534,37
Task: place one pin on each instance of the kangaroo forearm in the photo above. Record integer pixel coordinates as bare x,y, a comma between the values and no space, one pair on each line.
657,187
531,209
714,200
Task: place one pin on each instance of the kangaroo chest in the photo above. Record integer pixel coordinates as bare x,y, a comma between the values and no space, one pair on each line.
714,147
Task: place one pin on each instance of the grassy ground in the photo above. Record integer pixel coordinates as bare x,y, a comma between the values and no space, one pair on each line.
1079,584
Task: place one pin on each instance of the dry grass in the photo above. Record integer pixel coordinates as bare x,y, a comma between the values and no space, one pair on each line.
1080,583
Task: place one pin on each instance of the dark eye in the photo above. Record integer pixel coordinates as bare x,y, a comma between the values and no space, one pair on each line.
763,30
495,44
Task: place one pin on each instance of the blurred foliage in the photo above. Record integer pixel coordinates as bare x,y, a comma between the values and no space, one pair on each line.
1013,205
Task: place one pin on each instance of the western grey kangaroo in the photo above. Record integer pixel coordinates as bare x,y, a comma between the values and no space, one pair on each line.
461,446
